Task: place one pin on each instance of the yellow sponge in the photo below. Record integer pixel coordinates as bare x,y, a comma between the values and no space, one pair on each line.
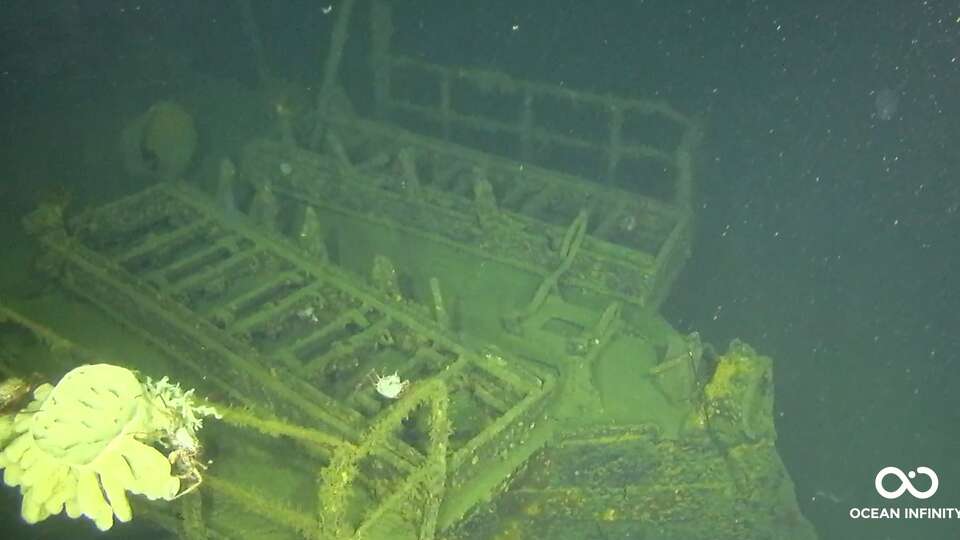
80,446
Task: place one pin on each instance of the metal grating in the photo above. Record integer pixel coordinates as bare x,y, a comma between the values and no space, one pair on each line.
293,343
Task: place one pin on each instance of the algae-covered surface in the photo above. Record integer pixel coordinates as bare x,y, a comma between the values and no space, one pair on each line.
825,208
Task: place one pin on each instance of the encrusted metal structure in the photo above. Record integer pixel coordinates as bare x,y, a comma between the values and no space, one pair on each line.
509,266
25,341
291,344
506,168
721,478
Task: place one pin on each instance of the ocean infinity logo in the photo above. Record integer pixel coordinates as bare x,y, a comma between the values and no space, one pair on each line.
905,484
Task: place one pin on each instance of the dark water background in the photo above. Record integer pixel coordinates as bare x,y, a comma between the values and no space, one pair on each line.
827,235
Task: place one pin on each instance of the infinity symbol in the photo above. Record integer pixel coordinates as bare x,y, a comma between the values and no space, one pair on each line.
905,484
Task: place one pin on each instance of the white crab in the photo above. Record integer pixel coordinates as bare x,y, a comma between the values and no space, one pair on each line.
389,386
185,461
